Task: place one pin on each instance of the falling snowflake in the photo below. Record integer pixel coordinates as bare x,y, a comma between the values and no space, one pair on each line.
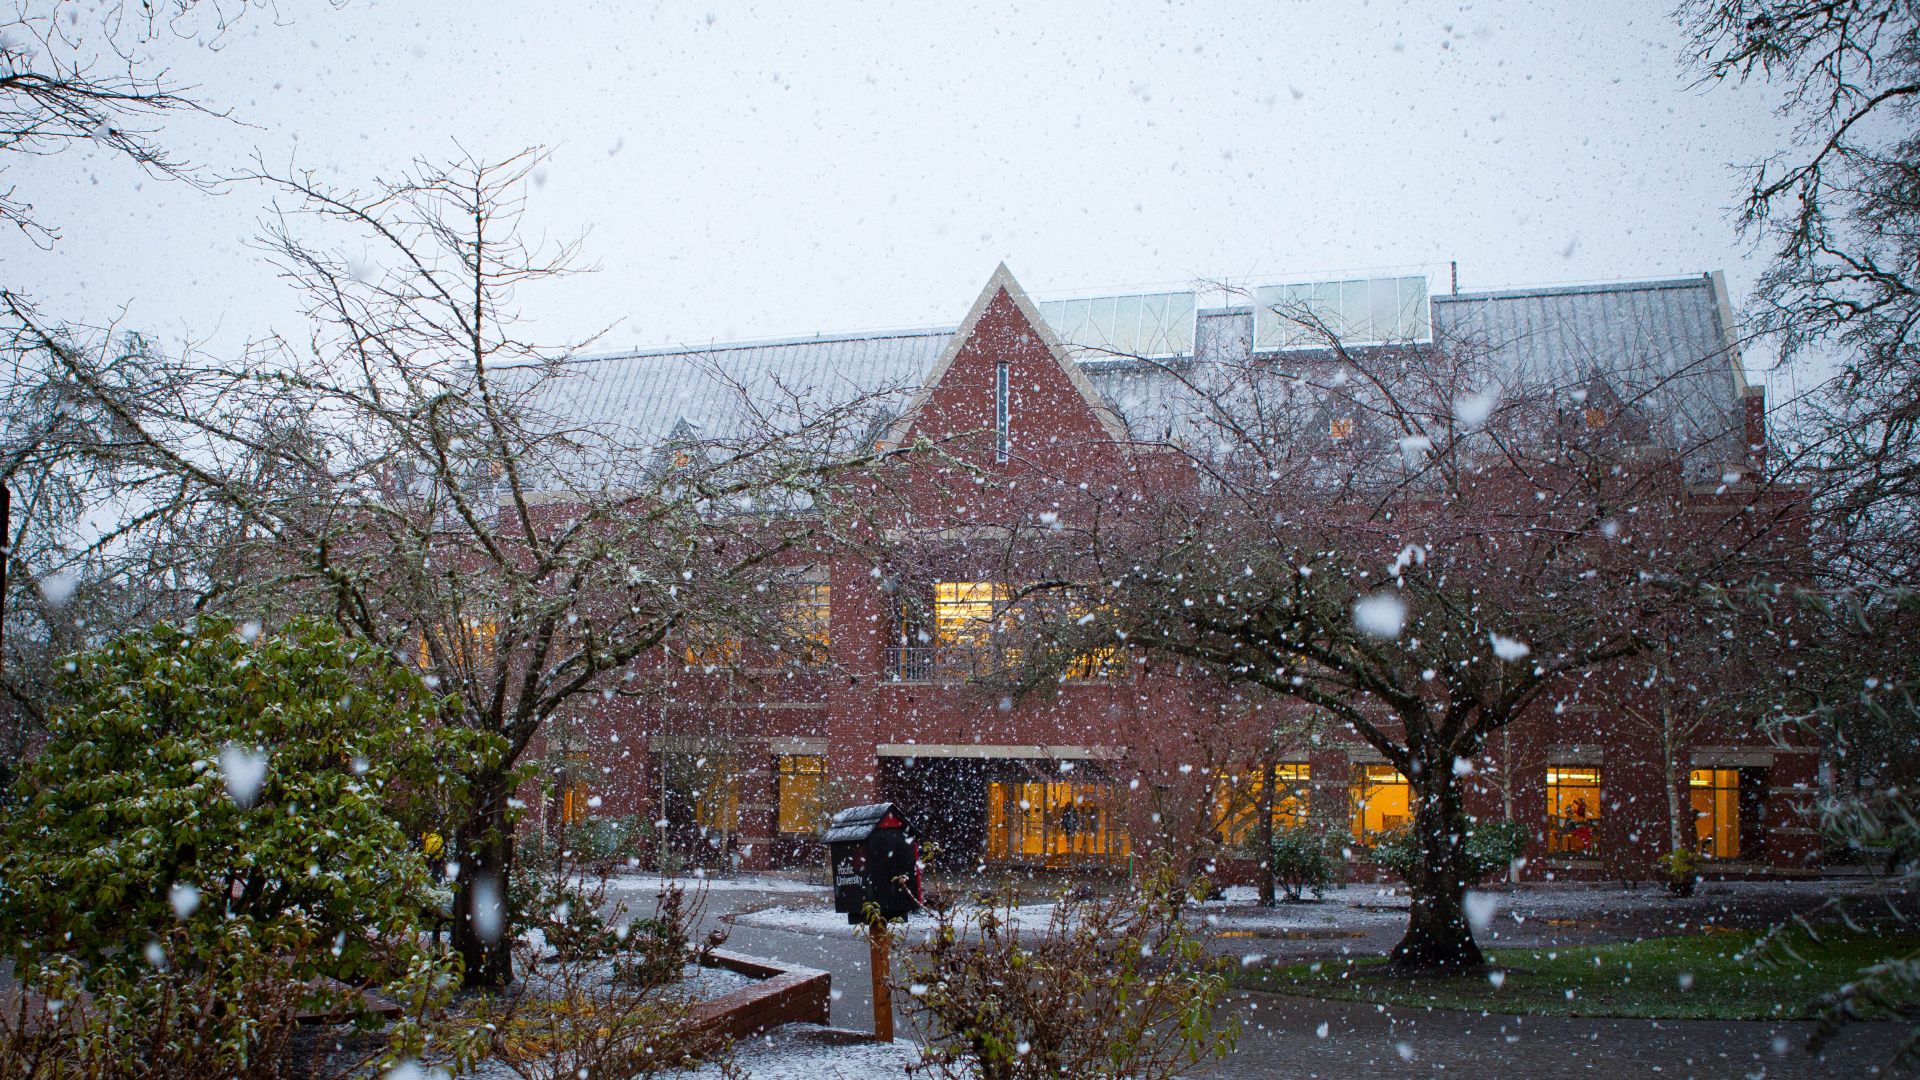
1381,615
1508,649
1473,410
244,770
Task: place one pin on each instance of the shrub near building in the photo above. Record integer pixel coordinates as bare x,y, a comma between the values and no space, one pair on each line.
201,778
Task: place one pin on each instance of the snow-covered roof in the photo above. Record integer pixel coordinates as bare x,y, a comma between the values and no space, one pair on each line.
713,389
1661,346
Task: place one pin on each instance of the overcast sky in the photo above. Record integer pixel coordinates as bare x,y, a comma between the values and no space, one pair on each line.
773,170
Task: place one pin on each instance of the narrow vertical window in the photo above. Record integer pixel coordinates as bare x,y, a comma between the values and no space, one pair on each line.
802,793
1000,412
1715,796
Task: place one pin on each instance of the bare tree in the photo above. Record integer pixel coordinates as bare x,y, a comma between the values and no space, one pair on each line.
70,78
416,470
94,547
1838,205
1420,546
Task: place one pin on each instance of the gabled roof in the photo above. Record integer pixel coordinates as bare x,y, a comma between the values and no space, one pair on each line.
1003,281
1663,346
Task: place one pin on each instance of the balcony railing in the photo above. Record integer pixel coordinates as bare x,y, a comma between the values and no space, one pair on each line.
934,663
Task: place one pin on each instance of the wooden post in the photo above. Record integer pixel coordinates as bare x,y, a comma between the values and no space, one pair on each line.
880,942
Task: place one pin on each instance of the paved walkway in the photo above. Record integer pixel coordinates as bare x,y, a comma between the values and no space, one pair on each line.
1281,1037
1287,1037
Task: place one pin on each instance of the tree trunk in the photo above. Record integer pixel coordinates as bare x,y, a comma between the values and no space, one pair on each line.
1506,792
1264,831
1438,938
1669,766
482,918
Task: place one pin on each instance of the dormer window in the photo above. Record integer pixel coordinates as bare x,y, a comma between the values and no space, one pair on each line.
1340,428
1001,412
1596,418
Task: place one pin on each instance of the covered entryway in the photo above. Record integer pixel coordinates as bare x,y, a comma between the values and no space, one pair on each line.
1056,807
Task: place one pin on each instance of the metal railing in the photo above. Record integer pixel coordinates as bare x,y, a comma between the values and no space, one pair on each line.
935,663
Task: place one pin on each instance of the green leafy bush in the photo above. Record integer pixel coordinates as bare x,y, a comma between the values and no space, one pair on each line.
1491,847
552,896
201,778
658,947
1301,861
565,1017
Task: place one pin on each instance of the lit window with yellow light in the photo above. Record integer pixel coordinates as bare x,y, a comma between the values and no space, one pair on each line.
1715,798
1573,810
807,614
1381,801
1237,797
966,612
574,791
704,648
468,644
1100,663
1054,823
716,801
802,794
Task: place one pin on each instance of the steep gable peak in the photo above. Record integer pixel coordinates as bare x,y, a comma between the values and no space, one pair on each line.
1003,283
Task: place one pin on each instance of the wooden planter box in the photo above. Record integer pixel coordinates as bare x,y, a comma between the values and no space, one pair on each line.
783,994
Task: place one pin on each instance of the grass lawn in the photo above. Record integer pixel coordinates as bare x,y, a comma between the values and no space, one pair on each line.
1706,977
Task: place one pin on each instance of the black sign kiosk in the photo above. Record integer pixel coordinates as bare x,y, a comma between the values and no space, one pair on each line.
875,860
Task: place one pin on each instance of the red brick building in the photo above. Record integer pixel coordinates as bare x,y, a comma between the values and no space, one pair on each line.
739,770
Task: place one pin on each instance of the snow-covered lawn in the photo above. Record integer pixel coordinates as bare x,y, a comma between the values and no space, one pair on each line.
1602,910
1360,909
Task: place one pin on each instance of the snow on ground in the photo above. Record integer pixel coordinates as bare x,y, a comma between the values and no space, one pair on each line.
823,921
1359,909
696,981
814,921
706,983
797,1052
1368,907
694,880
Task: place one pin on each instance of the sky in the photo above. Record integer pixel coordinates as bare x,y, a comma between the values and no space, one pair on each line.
745,171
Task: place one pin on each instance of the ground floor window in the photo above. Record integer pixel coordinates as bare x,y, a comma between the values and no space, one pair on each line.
802,793
1573,810
716,806
1236,804
1381,801
1715,794
1055,823
701,791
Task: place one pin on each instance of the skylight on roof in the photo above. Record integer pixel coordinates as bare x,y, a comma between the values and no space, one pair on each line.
1364,311
1147,324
